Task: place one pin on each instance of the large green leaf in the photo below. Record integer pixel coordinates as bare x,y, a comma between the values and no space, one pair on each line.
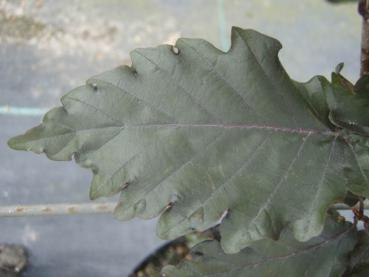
349,104
360,271
359,257
202,136
323,256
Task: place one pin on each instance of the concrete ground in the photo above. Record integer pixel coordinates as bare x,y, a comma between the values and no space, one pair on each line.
48,47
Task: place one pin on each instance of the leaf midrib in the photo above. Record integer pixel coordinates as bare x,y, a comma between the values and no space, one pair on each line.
300,131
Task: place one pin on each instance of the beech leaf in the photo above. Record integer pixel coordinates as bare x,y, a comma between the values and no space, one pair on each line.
202,137
359,257
323,256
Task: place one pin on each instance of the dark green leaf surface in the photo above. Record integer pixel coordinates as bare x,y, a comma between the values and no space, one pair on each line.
202,136
323,256
361,271
349,105
359,257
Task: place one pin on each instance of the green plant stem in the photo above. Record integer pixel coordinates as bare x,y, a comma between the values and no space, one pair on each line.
363,9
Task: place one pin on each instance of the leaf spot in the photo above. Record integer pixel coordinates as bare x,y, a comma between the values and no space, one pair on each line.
175,50
94,86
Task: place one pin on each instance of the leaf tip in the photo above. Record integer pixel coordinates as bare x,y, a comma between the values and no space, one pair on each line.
94,193
339,68
17,143
123,213
252,37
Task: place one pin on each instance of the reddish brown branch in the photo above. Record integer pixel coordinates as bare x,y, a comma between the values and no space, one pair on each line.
359,214
363,9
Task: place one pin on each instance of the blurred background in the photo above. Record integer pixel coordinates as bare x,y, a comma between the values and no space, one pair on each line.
48,47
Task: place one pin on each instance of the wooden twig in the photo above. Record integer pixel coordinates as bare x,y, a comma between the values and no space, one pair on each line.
363,10
56,209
